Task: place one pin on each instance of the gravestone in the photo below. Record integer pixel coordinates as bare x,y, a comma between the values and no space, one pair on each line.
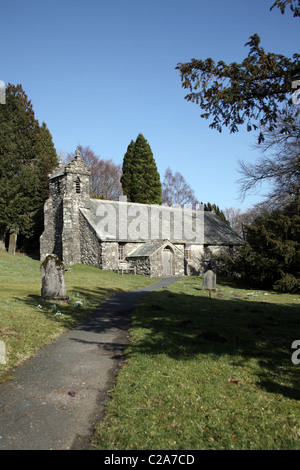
12,244
2,353
209,281
53,282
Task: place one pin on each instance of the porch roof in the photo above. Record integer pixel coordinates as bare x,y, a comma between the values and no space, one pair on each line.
149,248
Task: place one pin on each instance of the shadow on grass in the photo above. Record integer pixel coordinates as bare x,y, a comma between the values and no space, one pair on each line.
83,302
185,327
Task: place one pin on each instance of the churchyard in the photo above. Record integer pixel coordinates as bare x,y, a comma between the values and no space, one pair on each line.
208,370
204,370
27,323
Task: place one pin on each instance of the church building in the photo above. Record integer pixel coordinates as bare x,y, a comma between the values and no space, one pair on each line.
122,236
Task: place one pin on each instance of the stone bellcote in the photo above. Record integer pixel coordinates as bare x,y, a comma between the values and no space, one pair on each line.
69,190
71,180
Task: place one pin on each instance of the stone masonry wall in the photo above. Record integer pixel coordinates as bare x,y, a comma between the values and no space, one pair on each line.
76,195
142,265
200,256
90,245
110,255
177,262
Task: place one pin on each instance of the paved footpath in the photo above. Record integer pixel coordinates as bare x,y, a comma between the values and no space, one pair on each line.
57,396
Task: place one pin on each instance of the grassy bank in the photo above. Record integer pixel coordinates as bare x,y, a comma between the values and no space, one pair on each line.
205,373
27,324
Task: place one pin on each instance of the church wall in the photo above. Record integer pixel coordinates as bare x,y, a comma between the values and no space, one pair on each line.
156,266
178,262
110,255
197,257
90,245
142,265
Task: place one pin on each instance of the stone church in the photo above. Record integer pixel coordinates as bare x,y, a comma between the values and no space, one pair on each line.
127,237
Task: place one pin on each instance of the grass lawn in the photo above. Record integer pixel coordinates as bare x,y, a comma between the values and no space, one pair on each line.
27,324
205,373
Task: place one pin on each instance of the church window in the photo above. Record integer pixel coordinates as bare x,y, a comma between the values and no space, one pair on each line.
121,251
77,185
187,252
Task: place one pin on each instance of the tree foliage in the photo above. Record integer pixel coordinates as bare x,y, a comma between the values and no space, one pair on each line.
27,155
140,178
270,258
247,93
212,207
258,93
293,4
128,170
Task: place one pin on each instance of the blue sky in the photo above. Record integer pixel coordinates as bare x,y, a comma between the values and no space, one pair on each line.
99,73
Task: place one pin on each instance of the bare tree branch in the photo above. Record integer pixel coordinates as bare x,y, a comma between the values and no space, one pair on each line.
279,164
175,190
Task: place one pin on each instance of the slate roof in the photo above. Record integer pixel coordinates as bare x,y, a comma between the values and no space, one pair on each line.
58,171
148,248
216,232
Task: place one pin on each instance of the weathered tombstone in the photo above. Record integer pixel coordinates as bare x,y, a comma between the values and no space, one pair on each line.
53,282
209,281
2,353
12,244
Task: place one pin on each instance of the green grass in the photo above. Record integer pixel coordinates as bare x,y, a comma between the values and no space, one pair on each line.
205,373
27,324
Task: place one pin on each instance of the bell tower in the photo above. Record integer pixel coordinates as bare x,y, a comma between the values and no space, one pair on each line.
76,195
69,190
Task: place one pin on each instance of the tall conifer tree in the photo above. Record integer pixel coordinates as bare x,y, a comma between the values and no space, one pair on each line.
127,170
140,179
27,155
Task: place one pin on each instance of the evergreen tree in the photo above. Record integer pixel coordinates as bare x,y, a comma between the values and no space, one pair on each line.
140,179
45,161
270,258
212,207
250,92
127,170
27,155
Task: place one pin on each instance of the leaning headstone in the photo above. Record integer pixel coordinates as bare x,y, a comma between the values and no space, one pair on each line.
2,353
12,244
209,281
53,282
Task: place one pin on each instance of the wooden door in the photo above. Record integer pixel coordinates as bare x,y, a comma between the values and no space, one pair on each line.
167,262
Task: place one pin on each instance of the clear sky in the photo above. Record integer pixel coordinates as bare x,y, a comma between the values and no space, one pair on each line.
99,73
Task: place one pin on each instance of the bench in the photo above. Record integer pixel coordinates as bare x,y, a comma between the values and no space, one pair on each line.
125,268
